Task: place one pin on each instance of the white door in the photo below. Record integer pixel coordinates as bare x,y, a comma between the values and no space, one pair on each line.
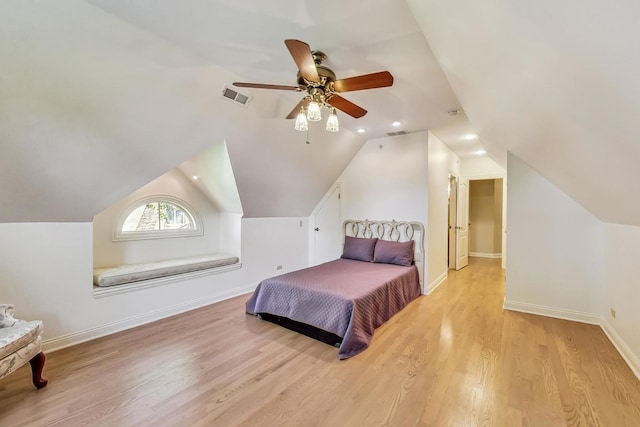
328,227
462,224
453,214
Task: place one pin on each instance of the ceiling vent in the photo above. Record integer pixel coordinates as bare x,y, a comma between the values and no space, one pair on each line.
236,96
400,132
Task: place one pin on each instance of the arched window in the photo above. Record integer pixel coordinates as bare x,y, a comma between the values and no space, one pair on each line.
158,217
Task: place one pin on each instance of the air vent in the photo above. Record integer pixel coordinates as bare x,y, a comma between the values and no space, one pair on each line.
236,96
400,132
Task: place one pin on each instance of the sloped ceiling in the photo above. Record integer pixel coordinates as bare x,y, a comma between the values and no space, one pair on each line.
211,173
554,82
99,98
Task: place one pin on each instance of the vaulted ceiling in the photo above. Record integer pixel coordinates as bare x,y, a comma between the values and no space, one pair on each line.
99,97
556,83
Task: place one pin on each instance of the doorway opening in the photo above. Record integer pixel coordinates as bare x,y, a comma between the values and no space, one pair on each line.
486,218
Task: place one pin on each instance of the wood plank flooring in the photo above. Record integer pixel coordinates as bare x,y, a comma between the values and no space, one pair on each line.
453,358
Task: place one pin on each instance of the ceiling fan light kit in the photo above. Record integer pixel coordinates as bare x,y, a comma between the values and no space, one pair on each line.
313,111
322,88
301,121
332,121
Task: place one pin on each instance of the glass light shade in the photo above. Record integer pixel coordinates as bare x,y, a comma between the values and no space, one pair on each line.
301,122
313,112
332,122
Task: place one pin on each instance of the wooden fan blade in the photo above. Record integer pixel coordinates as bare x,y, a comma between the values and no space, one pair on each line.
347,106
365,81
264,86
301,53
303,103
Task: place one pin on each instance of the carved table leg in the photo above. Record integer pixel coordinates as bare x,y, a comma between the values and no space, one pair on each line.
37,363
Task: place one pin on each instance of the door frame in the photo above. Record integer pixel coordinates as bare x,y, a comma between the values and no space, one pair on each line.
312,217
502,176
452,220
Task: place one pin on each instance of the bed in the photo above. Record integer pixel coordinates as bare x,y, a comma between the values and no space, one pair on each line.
342,302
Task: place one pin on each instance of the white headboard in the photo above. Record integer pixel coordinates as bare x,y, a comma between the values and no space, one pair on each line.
397,231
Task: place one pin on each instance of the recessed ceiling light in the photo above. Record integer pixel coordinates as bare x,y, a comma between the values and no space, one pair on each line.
360,130
195,177
396,124
481,152
470,136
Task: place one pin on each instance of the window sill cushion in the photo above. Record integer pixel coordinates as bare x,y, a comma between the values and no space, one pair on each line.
112,276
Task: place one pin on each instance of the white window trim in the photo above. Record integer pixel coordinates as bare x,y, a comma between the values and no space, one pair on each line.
119,236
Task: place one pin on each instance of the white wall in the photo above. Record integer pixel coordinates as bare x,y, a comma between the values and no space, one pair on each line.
481,168
554,246
46,271
173,183
442,162
621,290
231,238
387,179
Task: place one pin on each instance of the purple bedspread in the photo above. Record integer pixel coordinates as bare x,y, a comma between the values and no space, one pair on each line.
346,297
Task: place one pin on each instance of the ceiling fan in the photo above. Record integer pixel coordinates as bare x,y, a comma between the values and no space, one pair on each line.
322,87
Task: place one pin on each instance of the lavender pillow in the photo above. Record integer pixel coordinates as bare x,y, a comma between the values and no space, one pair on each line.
399,253
358,248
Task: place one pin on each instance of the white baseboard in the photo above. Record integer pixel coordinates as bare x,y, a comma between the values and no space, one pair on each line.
437,282
632,360
74,338
485,255
558,313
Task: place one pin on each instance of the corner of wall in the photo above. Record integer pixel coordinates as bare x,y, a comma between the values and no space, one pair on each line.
593,319
437,282
555,312
564,262
553,247
627,354
441,162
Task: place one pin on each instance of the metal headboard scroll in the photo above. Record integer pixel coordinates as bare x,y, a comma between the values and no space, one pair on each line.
397,231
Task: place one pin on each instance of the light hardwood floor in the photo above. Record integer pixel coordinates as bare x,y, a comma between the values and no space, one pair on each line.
453,358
